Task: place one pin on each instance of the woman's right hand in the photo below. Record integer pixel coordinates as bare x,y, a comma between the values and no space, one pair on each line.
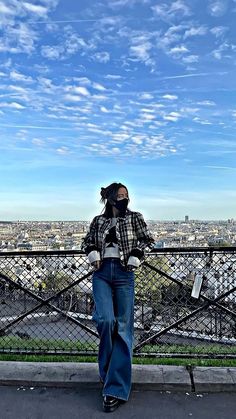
96,264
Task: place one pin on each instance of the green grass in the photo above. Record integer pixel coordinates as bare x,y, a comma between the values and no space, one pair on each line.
216,349
138,360
47,358
155,354
13,342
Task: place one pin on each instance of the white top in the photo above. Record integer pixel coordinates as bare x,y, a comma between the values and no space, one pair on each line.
112,249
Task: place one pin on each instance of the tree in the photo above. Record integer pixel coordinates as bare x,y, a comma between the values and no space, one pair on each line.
149,284
56,281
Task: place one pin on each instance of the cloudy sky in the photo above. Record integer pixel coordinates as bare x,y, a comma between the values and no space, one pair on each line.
137,91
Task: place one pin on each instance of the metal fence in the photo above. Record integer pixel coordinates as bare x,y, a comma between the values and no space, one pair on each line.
46,303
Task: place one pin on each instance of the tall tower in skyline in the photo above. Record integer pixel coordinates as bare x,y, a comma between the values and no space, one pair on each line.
186,218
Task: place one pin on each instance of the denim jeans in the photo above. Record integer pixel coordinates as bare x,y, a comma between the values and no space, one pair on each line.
113,291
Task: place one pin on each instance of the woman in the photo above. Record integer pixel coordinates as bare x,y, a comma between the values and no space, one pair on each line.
115,246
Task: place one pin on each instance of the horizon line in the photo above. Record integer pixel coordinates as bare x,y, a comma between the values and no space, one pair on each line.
82,220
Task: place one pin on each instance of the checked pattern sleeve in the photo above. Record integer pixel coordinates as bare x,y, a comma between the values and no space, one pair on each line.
145,241
89,242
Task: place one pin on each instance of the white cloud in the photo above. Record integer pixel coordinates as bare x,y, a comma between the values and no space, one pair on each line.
81,90
17,76
143,146
147,110
224,50
46,84
138,139
19,38
15,9
180,49
13,105
172,35
172,116
187,110
167,12
38,142
116,150
98,86
180,5
74,43
218,8
170,97
120,137
141,51
39,10
104,109
207,103
114,4
218,31
202,121
50,3
196,31
82,80
52,52
63,150
99,97
102,57
72,98
108,23
113,77
146,96
15,89
147,117
70,45
190,59
217,54
5,9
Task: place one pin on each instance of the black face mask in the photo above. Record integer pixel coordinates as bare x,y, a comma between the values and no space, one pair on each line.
121,205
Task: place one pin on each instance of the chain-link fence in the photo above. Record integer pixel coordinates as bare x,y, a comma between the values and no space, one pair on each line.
46,303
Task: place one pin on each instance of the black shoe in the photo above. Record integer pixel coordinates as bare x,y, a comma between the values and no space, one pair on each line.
110,403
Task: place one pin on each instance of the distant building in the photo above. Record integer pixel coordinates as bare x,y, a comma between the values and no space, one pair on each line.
24,246
186,218
160,244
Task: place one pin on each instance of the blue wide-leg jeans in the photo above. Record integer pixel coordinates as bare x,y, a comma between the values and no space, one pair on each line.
113,292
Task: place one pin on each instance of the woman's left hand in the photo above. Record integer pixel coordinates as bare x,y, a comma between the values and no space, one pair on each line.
96,264
131,268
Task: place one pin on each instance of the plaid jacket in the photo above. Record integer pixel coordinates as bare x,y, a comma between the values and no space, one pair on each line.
131,231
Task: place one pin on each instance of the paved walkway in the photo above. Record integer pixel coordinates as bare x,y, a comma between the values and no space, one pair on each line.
76,403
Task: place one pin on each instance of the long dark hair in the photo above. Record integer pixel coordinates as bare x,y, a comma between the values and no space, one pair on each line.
109,195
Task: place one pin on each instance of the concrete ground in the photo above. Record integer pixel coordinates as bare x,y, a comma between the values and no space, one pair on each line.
75,403
55,390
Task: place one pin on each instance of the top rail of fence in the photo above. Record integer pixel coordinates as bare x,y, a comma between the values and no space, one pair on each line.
223,249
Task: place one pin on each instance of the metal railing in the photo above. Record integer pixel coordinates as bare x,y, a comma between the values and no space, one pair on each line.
46,303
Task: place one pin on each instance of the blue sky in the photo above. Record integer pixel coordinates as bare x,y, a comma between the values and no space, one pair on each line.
137,91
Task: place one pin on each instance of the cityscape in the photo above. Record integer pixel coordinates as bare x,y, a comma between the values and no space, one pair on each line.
67,235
